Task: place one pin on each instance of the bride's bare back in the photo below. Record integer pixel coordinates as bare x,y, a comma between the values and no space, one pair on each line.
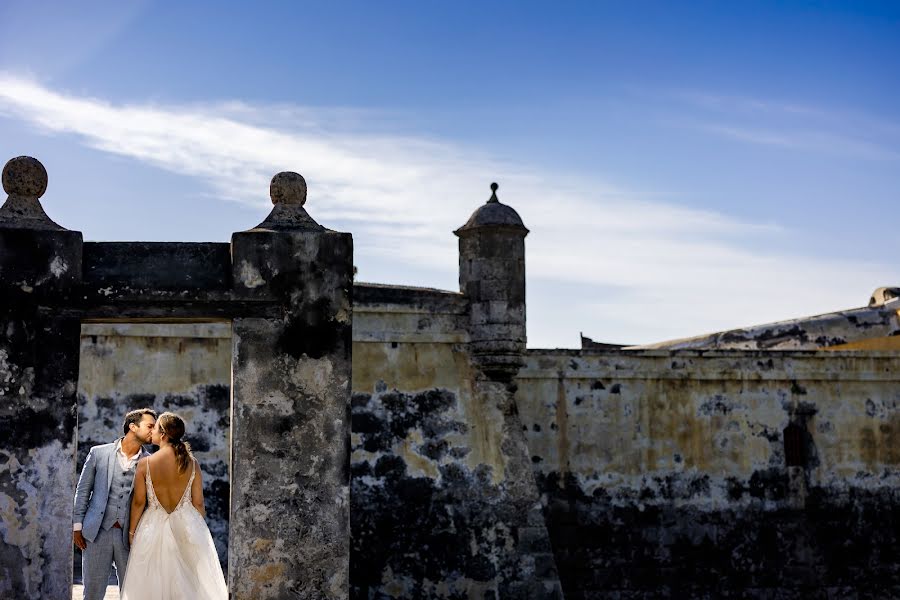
169,485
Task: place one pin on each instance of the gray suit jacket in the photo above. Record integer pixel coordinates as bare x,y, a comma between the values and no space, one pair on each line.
92,492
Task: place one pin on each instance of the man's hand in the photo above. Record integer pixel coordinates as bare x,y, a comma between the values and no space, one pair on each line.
79,540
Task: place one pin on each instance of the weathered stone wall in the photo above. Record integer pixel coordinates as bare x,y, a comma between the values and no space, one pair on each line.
286,288
40,262
432,493
873,327
664,474
675,471
430,503
37,396
289,529
183,368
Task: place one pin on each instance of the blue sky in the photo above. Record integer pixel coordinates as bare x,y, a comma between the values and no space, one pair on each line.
683,167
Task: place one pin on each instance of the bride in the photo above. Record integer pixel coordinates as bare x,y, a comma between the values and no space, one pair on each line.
172,553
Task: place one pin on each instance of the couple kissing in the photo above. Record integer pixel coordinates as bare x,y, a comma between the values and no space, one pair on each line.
144,514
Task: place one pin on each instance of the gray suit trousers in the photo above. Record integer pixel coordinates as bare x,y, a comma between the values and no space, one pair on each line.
98,558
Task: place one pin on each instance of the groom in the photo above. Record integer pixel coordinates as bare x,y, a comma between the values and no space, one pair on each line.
103,503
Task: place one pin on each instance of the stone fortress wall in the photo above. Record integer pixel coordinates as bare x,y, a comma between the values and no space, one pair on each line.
657,469
719,473
759,463
660,472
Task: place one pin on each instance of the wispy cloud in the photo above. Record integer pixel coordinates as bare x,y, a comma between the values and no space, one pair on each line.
732,104
822,142
796,126
675,271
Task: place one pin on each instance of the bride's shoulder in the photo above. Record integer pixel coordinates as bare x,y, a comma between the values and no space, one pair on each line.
141,466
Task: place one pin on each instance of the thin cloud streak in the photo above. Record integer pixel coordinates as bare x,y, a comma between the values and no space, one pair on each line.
742,104
793,126
814,141
401,196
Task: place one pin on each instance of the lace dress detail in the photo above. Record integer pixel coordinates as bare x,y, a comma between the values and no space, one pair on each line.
173,556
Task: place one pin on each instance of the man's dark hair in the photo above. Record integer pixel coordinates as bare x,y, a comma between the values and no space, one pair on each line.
135,417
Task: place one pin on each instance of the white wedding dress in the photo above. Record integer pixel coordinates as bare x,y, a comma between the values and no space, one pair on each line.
173,556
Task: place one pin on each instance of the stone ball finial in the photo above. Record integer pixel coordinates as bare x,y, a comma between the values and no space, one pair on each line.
24,176
494,188
287,187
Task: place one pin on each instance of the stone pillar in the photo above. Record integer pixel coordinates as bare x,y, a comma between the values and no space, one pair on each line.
289,533
40,266
492,277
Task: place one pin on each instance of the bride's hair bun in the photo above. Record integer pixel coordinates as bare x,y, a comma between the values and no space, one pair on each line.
172,426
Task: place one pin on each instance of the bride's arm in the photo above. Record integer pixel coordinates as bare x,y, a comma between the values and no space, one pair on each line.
138,497
197,490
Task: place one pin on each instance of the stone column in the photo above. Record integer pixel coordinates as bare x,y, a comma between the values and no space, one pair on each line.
289,533
492,276
40,266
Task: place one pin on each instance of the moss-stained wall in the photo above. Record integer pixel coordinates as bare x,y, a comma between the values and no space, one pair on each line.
180,368
434,499
662,473
665,474
38,369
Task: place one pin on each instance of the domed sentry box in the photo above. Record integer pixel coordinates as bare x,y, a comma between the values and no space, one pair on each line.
492,276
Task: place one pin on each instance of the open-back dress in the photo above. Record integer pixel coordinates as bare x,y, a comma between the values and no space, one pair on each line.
173,556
